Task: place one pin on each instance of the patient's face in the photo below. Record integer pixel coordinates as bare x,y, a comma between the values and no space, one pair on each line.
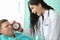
6,29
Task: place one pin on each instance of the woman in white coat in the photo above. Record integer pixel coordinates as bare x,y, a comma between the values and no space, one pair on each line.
43,20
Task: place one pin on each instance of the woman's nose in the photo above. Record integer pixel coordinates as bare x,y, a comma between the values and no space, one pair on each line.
32,11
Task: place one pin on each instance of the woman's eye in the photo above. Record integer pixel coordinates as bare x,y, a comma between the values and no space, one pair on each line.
31,8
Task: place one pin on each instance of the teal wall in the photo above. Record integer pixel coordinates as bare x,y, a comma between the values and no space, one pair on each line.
53,3
26,17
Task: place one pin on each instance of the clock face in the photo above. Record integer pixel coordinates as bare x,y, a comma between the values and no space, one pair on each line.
15,25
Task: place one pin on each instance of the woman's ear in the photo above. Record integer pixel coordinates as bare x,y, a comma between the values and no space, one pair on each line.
39,5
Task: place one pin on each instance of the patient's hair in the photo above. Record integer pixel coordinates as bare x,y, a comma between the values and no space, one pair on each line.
2,21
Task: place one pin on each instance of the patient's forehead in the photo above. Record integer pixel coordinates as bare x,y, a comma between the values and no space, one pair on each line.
5,24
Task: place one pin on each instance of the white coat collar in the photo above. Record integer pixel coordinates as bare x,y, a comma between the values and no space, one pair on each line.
46,14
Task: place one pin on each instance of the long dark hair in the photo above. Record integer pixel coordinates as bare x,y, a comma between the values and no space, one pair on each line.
34,17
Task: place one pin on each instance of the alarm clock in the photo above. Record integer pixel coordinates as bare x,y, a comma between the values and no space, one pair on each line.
16,26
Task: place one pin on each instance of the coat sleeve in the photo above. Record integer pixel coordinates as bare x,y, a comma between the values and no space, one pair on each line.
54,24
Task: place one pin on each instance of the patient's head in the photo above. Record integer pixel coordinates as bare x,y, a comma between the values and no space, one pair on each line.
5,27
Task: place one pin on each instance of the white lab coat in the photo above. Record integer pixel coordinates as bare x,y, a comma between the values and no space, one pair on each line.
49,28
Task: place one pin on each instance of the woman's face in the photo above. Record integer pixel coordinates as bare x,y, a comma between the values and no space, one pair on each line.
36,9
